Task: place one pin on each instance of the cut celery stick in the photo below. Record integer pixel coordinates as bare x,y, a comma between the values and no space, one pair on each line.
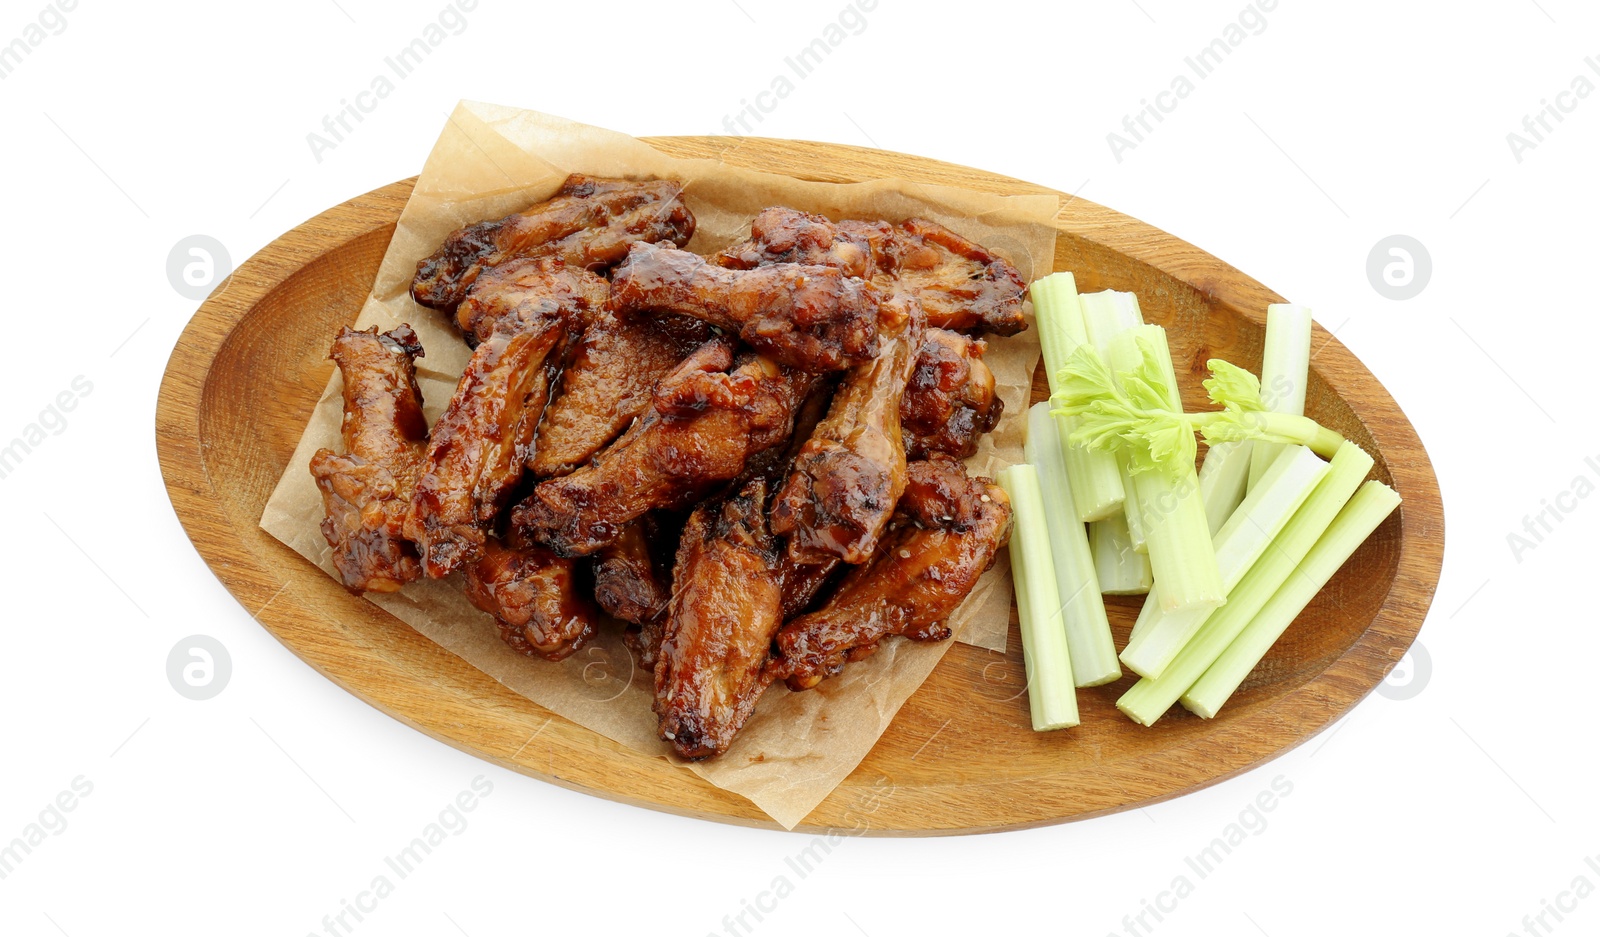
1092,473
1170,511
1132,512
1223,476
1094,656
1120,569
1108,314
1057,310
1238,545
1148,700
1052,700
1284,362
1355,523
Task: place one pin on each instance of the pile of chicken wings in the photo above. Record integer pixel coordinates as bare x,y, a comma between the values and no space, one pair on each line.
752,459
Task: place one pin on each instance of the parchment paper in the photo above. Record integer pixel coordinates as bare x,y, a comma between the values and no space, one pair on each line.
490,161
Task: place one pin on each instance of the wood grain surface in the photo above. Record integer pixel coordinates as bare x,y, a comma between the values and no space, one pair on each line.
960,757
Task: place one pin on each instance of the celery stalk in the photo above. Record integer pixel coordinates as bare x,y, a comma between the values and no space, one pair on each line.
1223,475
1170,510
1284,363
1148,700
1094,656
1120,569
1242,541
1132,512
1091,473
1052,701
1106,315
1371,504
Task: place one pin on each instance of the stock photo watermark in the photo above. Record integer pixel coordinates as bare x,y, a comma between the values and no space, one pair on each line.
1250,822
51,821
51,21
336,127
1410,675
451,821
851,21
51,421
603,679
1553,912
1539,526
1539,125
1399,267
196,264
199,667
1202,64
801,864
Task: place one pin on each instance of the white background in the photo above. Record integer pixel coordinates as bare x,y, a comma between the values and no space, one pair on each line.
1457,811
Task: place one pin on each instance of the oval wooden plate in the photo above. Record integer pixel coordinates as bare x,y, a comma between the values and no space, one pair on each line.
960,757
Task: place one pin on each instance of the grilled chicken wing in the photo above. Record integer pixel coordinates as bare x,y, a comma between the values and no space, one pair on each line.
367,490
783,235
727,604
704,423
810,317
625,580
485,435
804,581
608,383
534,595
962,285
947,531
588,224
950,400
847,477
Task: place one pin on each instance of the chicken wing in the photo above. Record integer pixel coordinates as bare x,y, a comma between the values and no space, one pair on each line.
961,284
608,383
704,423
367,490
727,604
485,435
626,583
803,315
946,534
849,474
588,224
534,595
784,235
803,582
950,400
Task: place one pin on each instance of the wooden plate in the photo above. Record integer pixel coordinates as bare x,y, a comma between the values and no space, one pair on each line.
960,757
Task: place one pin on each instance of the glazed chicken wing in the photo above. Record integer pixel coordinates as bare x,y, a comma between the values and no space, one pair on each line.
534,595
608,383
588,224
847,477
626,583
810,317
950,401
784,235
962,285
485,435
727,604
946,534
367,490
704,423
